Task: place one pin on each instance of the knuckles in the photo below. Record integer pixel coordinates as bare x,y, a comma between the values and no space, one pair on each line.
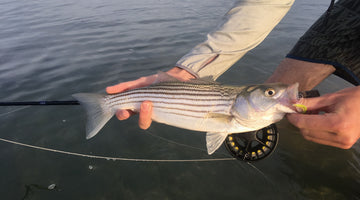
346,135
347,140
344,139
122,114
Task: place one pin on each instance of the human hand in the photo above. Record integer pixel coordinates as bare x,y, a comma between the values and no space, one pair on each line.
339,126
146,106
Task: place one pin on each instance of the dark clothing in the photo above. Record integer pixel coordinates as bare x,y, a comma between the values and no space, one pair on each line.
334,39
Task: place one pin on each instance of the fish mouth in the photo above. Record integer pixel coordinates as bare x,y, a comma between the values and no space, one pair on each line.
289,98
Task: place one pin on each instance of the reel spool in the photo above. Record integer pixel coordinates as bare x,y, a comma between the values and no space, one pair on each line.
257,145
254,145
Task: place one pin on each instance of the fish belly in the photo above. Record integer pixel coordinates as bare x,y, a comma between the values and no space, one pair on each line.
202,123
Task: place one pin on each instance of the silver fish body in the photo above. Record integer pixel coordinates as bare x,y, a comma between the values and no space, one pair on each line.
216,109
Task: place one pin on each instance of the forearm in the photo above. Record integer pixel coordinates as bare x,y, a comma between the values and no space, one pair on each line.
244,27
307,74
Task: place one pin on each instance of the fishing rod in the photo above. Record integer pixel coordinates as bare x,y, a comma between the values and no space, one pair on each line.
39,103
249,146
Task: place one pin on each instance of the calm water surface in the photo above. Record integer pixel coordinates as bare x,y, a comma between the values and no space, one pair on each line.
52,49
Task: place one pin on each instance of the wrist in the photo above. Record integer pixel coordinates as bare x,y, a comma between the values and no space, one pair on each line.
180,74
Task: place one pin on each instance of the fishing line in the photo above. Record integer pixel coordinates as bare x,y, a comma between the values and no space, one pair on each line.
67,103
173,142
257,170
12,111
181,144
114,158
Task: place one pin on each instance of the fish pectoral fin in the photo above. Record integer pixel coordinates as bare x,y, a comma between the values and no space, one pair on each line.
221,117
214,141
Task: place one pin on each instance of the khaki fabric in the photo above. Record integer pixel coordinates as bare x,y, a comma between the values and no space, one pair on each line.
243,27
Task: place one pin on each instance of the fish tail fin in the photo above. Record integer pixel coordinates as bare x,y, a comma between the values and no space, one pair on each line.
98,113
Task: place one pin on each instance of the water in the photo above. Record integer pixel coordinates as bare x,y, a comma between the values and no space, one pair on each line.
52,49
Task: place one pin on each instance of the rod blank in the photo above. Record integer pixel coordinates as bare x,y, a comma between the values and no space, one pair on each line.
39,103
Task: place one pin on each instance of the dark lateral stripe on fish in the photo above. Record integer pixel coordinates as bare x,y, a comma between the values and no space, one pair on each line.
219,88
185,87
185,84
182,96
162,94
181,88
171,92
227,104
185,115
187,110
194,99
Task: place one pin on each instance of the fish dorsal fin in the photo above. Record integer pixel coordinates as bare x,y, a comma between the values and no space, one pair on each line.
204,80
214,141
164,77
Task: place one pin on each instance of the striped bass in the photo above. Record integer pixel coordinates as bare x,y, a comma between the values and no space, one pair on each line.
209,107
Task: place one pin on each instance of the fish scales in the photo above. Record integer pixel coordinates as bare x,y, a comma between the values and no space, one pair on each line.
213,108
178,97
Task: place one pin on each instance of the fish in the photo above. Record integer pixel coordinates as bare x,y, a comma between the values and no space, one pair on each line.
205,106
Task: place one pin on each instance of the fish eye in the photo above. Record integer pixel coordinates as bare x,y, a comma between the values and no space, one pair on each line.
270,92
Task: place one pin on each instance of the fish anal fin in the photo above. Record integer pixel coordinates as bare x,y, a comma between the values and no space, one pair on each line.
214,141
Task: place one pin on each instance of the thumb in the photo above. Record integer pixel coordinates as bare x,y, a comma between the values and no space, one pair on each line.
141,82
117,88
316,104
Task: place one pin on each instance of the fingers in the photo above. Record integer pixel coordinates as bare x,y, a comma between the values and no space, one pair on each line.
325,122
145,115
175,72
327,129
338,126
326,138
146,107
141,82
117,88
124,114
121,87
317,104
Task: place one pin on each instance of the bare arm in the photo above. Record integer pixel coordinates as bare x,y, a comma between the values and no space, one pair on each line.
242,28
339,125
307,74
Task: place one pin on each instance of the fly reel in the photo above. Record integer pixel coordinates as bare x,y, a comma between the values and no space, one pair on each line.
254,145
